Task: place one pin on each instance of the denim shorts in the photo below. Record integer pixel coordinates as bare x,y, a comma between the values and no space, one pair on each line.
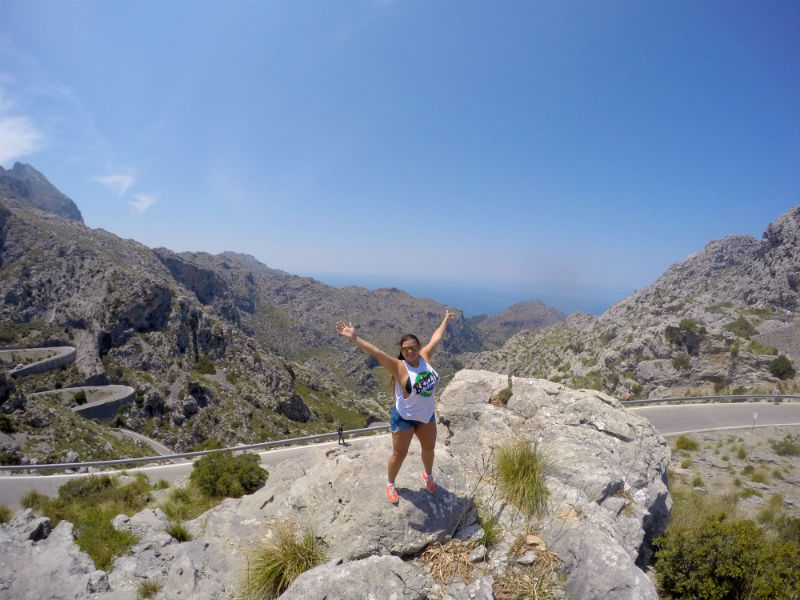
398,423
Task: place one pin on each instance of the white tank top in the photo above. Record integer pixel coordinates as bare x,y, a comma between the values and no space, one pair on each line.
419,404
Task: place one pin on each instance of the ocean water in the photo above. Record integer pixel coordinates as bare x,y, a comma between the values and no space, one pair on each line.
476,298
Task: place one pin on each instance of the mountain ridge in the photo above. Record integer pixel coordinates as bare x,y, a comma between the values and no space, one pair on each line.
715,322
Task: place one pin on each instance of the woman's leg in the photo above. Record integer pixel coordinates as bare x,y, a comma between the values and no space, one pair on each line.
426,434
401,440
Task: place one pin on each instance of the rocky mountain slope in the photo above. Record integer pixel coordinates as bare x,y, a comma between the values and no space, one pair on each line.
722,321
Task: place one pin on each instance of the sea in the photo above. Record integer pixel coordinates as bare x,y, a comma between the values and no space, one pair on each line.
489,298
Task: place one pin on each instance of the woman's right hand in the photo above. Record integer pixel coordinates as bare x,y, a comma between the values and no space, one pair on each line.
346,330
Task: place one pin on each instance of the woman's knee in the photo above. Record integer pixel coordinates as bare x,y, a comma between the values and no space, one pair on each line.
399,455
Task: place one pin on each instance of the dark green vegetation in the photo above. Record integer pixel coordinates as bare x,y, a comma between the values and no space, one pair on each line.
225,475
90,503
788,446
782,367
741,327
731,534
725,559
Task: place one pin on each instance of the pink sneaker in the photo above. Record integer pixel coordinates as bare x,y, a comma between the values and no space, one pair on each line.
428,479
391,493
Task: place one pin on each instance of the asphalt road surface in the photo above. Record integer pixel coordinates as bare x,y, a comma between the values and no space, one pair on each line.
668,419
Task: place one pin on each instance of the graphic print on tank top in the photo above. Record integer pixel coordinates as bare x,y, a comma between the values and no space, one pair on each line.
425,383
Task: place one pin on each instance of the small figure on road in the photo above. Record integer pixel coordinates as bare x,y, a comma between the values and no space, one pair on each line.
415,382
341,436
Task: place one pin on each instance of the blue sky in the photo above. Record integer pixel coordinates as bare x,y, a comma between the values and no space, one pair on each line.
568,149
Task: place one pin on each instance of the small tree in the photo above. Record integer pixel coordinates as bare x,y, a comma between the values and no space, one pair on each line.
223,475
782,367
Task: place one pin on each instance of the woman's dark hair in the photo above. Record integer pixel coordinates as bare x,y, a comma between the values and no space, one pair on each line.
405,338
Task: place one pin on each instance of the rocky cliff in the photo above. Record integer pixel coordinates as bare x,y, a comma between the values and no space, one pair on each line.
605,471
714,323
27,186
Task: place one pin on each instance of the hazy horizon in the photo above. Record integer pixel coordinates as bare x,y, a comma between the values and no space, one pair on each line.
489,298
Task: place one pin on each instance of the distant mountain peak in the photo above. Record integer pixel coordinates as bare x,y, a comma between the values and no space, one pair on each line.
29,187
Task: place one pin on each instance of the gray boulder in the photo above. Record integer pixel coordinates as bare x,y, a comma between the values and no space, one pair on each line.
43,564
606,473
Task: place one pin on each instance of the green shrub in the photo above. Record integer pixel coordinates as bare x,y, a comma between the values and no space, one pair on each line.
747,492
786,447
741,327
520,476
691,325
205,366
769,514
726,560
673,334
504,394
606,337
692,508
762,349
225,475
188,503
492,532
34,500
148,588
79,398
6,423
686,443
5,514
9,458
90,503
179,532
781,367
273,569
681,361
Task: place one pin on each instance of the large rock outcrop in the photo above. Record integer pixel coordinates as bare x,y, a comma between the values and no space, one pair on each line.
606,475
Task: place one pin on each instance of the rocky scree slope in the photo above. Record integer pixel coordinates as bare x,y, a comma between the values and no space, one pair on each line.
713,323
295,316
606,473
133,323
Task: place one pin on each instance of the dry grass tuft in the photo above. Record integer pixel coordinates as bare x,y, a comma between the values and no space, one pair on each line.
448,560
529,583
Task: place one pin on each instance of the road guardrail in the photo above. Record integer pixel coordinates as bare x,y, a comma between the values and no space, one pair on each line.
168,457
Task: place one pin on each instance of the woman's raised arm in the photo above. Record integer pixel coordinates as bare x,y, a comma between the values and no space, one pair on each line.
437,336
391,364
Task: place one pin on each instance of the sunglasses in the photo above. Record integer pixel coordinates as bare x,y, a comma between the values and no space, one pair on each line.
409,349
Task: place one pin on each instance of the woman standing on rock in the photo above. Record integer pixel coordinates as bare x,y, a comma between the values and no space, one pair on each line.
415,382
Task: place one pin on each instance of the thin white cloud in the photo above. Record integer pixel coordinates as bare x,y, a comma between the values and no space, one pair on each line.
119,184
19,136
142,202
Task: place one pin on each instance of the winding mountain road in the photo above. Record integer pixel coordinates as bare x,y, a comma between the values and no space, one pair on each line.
667,419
